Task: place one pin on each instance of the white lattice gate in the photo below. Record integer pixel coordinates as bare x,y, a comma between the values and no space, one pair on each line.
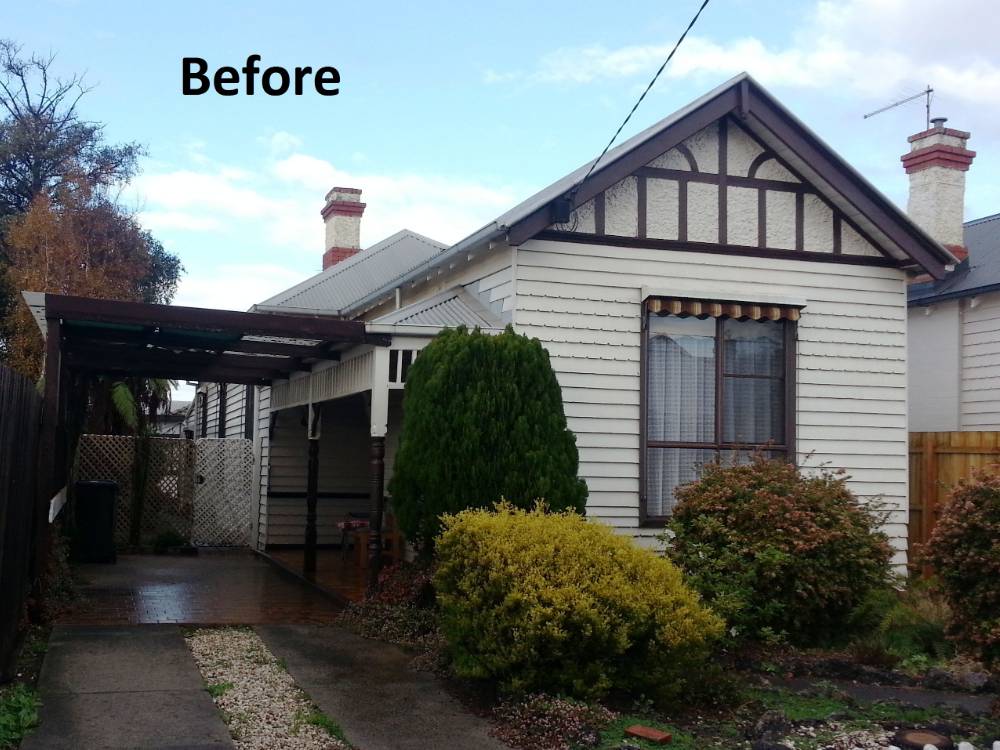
223,474
197,489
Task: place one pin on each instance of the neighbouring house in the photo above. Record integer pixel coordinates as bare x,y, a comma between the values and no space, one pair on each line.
954,322
171,423
722,281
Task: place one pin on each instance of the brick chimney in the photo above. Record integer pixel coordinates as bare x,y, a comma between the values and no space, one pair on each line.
936,164
342,214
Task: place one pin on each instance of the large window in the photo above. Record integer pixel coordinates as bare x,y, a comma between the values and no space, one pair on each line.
715,386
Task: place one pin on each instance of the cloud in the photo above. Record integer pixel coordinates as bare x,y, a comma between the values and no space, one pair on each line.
245,285
840,45
281,142
270,206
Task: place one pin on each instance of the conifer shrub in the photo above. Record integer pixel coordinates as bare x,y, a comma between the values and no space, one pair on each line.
780,555
540,601
483,419
964,550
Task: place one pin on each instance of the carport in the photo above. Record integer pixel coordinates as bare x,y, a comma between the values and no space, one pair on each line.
88,337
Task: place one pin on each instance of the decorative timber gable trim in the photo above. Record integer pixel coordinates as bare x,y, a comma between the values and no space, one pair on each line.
737,174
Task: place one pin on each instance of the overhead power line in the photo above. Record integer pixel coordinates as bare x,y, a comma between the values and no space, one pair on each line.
694,20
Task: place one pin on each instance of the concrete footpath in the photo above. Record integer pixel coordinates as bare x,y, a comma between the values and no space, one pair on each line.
369,689
118,688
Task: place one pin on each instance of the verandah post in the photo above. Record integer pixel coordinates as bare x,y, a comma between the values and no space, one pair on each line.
312,491
379,427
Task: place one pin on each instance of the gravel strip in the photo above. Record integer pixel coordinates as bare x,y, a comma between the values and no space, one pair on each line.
259,700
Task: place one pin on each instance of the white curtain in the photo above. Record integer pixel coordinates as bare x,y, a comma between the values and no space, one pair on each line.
680,404
680,397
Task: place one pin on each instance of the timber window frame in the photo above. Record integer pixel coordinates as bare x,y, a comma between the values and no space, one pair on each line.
719,312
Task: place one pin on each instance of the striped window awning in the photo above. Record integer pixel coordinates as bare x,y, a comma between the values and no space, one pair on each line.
716,309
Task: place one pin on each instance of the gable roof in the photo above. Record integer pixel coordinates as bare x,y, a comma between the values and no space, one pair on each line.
454,307
978,273
341,286
760,112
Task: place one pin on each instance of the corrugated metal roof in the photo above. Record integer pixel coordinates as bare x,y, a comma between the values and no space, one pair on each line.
342,285
980,272
449,309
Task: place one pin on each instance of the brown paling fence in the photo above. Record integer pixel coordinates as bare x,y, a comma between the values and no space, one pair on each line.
938,460
20,416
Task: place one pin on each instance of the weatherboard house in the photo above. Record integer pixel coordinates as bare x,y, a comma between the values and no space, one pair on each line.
721,281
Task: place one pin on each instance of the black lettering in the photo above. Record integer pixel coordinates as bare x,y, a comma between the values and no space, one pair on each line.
266,81
198,74
301,73
227,76
327,76
250,70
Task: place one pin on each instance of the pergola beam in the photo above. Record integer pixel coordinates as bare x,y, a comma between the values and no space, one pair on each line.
154,337
206,375
205,319
109,355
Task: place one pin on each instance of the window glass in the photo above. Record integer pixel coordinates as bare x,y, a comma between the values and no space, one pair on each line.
666,470
680,362
682,370
754,347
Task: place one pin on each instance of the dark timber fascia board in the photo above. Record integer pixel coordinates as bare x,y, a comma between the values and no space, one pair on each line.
715,249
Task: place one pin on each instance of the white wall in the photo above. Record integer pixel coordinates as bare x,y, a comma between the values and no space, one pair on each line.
583,302
933,373
955,365
343,468
980,384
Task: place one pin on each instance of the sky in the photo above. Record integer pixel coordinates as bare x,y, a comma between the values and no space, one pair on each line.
450,113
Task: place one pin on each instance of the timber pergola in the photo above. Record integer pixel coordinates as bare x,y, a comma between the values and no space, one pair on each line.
94,337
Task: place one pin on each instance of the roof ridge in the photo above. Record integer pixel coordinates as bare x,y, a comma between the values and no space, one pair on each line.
981,220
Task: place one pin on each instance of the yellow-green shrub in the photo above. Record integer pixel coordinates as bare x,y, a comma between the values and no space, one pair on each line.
551,601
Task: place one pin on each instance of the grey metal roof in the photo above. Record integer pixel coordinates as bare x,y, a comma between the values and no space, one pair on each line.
452,308
342,285
496,230
978,273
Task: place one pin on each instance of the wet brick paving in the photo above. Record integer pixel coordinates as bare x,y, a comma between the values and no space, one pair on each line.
211,588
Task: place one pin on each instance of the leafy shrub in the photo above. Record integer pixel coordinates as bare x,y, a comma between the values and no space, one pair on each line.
780,555
18,713
544,722
902,627
965,553
552,602
484,420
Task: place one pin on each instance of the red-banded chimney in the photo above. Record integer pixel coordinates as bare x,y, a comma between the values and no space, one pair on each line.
936,164
342,214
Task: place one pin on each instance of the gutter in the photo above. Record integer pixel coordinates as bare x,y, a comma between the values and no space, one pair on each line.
945,296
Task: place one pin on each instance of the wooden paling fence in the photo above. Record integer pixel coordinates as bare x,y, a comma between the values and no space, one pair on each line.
20,418
938,460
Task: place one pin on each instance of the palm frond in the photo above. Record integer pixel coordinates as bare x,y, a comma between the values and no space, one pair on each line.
125,404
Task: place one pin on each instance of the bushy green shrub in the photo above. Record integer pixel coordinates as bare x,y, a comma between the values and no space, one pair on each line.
483,420
553,602
902,627
964,550
779,554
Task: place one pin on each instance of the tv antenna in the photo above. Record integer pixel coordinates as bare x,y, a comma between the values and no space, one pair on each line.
928,92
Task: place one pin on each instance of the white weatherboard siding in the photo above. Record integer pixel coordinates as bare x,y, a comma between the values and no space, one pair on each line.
583,302
343,468
980,361
934,366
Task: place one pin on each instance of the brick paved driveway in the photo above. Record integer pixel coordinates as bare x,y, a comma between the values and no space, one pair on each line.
212,588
